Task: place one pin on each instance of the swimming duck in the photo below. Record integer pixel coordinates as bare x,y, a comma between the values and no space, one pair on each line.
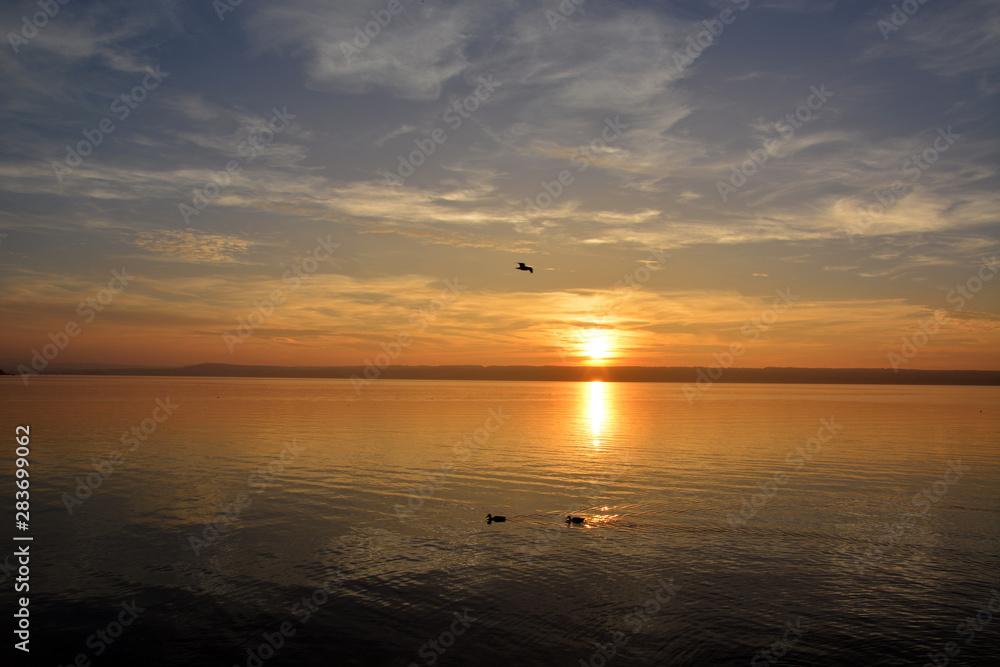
490,518
574,519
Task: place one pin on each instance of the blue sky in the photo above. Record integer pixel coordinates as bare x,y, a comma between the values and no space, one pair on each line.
648,133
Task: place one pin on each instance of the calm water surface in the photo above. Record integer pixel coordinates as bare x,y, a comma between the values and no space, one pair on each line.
754,516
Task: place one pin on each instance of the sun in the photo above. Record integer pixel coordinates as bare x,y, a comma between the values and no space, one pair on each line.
598,344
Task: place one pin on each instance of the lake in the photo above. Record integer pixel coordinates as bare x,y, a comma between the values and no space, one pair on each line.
196,521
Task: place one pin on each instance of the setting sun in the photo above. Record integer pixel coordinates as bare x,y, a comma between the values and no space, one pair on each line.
597,344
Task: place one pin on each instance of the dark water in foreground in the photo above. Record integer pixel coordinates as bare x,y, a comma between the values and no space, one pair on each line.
833,550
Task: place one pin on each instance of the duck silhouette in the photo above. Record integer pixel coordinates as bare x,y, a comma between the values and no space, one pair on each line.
490,518
522,267
574,519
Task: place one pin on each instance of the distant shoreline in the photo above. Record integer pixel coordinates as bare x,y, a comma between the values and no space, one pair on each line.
771,375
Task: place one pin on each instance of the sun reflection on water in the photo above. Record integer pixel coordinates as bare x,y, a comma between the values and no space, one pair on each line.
597,411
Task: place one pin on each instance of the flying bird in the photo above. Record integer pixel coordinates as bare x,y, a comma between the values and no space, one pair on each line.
522,267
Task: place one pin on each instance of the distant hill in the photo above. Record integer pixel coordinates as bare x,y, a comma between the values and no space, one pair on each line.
578,374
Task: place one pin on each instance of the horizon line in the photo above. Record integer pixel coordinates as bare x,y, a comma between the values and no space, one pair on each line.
696,374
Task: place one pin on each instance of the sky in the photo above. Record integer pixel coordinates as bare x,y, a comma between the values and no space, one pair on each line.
729,182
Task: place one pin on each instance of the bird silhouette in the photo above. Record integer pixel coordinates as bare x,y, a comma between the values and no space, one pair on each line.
574,519
490,518
522,267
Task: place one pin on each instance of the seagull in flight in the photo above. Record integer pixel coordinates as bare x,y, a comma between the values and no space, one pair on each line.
522,267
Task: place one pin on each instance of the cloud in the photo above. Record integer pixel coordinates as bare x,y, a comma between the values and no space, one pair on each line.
947,39
402,129
193,246
412,56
